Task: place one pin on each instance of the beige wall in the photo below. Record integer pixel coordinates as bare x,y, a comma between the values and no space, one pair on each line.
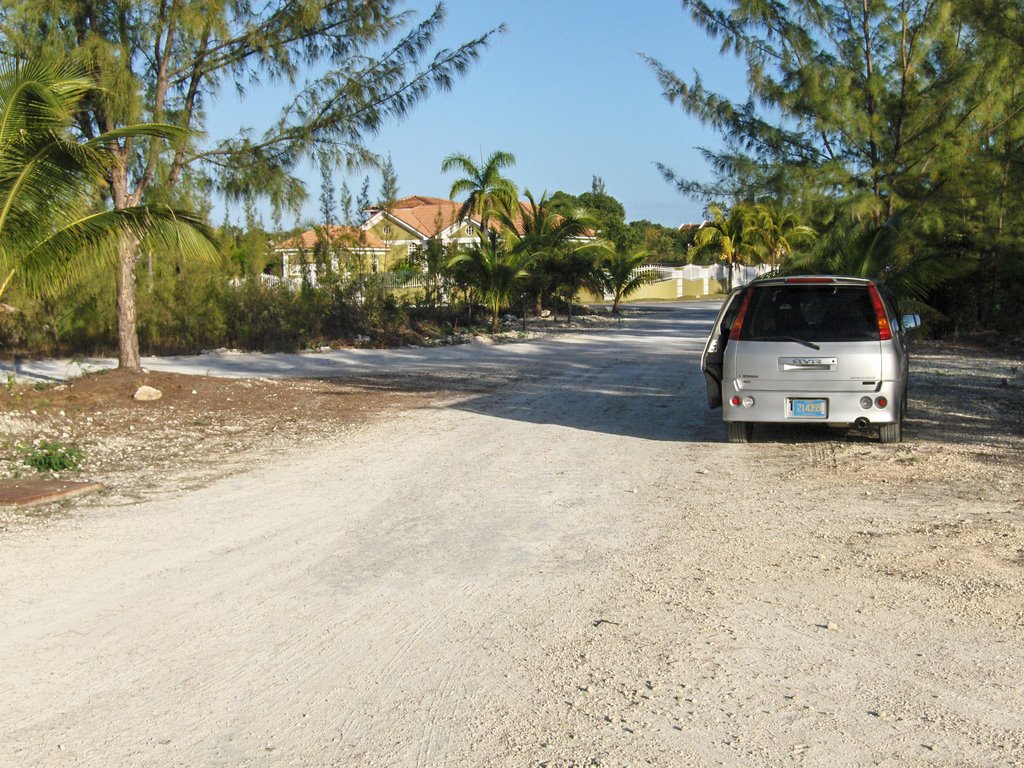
694,288
664,290
717,286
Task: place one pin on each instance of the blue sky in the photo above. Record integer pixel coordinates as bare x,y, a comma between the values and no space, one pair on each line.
565,91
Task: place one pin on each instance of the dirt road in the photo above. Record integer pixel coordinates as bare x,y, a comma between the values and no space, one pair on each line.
573,569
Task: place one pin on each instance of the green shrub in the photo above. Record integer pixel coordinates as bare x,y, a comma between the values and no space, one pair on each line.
52,456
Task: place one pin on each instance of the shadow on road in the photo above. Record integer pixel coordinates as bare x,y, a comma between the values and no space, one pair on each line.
640,380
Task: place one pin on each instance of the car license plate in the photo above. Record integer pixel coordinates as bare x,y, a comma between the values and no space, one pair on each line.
807,409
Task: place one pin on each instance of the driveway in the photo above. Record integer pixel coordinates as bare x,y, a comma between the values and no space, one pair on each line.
573,569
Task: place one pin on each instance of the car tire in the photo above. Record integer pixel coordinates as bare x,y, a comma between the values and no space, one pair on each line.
739,431
891,433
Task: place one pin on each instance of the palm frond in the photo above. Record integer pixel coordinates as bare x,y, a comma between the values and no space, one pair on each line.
53,226
80,247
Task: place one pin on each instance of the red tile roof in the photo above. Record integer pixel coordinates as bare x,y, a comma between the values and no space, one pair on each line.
346,236
428,216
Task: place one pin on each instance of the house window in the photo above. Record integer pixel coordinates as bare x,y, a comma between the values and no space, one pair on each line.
386,230
470,230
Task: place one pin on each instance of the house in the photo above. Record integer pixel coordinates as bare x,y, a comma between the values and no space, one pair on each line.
388,236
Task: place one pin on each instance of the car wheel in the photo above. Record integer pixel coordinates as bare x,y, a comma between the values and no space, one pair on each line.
739,431
891,433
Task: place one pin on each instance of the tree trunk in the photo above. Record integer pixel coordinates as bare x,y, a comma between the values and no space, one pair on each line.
127,334
127,256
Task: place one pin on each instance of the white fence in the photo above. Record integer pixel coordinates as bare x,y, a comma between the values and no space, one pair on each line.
741,273
693,280
690,280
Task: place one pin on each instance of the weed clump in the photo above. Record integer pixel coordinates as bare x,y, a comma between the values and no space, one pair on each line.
52,456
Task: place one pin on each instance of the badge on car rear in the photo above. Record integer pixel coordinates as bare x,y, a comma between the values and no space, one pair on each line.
808,363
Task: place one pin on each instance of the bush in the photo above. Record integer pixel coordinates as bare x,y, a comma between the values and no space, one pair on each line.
184,309
52,456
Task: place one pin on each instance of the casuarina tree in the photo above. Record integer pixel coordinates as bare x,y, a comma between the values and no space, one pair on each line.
891,118
166,61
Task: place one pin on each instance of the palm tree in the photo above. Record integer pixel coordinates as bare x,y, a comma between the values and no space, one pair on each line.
495,271
890,252
53,227
541,227
577,267
620,274
543,232
779,230
483,186
729,235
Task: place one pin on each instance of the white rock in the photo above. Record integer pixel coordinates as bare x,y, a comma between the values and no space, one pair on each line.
147,393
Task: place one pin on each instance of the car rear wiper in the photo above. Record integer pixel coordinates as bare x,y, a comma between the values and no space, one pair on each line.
806,343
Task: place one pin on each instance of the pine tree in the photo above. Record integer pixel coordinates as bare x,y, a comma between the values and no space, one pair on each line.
327,192
871,99
388,185
161,62
345,203
363,199
894,127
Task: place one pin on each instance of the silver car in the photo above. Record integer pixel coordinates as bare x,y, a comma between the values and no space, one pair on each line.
810,349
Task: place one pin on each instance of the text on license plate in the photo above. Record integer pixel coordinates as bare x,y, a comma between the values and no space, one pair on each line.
808,409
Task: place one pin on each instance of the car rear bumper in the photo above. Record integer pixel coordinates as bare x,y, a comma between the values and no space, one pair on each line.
843,407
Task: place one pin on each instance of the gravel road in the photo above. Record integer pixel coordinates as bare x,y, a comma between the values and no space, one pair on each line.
571,569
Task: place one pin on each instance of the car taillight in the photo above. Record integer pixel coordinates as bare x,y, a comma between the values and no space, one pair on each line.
736,332
884,331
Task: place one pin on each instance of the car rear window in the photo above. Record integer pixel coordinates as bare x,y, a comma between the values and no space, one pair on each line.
811,312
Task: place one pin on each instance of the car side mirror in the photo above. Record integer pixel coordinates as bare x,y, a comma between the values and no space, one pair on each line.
911,321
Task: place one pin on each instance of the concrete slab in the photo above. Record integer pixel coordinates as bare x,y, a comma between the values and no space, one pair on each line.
18,493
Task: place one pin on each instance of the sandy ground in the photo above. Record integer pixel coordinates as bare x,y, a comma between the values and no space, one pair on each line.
565,565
